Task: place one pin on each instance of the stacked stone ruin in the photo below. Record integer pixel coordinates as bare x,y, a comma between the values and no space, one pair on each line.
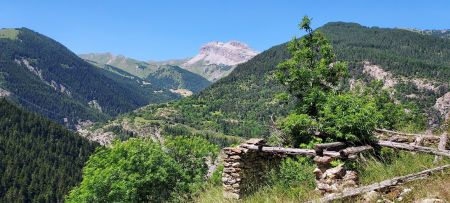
333,179
245,167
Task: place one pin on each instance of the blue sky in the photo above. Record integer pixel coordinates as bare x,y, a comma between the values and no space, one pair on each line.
170,29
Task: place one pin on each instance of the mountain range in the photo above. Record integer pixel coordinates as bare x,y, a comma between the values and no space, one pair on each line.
116,97
243,104
45,77
214,61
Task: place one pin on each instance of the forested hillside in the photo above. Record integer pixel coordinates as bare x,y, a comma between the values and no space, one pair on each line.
164,75
39,160
46,77
174,77
246,103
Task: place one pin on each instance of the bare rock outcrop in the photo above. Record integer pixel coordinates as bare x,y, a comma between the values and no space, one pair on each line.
443,105
378,73
4,93
228,53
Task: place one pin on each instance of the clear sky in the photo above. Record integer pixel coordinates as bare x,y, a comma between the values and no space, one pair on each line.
170,29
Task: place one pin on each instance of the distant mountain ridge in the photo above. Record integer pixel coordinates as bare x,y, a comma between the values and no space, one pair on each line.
445,33
45,77
214,61
163,74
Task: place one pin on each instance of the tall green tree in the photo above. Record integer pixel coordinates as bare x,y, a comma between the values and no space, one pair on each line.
323,110
312,72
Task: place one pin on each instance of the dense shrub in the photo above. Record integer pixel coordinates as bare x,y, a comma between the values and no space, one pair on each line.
145,171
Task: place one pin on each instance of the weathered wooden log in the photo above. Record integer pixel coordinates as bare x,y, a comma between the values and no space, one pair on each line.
418,141
381,185
442,145
319,148
354,150
290,151
425,137
414,148
443,139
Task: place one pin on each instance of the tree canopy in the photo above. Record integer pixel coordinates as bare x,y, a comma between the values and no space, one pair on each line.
324,109
140,170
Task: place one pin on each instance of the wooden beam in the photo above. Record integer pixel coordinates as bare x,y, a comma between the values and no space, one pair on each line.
442,145
281,150
290,151
383,184
413,148
319,148
354,150
426,137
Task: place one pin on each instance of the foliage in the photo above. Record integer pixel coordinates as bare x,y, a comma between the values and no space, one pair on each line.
349,118
191,154
312,72
39,159
294,173
300,125
140,170
313,76
131,171
403,116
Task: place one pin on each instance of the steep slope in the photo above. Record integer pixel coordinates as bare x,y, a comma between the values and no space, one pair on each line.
46,77
174,77
161,74
129,65
40,161
218,59
244,103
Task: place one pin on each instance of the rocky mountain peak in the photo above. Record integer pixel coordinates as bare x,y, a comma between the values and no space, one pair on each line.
223,53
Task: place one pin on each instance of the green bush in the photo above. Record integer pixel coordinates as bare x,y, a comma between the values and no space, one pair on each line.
191,153
294,178
145,171
349,118
131,171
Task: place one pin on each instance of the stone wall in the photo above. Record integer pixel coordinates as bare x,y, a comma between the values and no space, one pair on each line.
333,179
246,168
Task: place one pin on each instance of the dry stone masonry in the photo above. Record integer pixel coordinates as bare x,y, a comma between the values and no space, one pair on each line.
245,168
333,179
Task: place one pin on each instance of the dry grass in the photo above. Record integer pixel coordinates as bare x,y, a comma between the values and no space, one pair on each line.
264,195
437,186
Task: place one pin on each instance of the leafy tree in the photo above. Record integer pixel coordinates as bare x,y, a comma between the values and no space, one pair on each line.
131,171
145,171
191,153
346,117
312,72
314,77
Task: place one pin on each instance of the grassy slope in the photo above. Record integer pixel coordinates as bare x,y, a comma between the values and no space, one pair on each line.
9,33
